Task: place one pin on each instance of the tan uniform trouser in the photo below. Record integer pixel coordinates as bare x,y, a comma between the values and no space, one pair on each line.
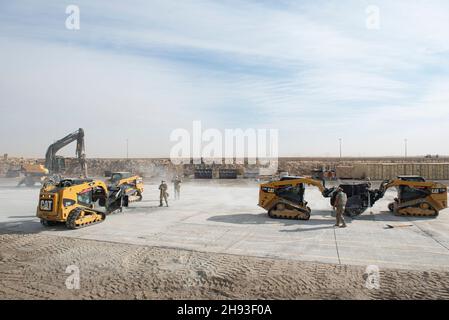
340,219
163,197
177,192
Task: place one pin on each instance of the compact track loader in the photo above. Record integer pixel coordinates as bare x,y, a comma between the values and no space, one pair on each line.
77,203
34,173
416,196
285,198
131,186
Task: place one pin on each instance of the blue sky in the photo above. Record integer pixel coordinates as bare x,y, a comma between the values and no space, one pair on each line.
312,69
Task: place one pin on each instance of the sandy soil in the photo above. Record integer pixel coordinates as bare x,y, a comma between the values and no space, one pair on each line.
33,267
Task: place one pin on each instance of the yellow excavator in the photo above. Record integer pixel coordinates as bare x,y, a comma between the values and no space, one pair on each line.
284,199
77,203
416,196
56,165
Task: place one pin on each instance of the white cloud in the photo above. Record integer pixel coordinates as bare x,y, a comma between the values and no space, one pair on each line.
311,70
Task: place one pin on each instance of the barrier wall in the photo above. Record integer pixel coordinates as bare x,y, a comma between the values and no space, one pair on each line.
381,171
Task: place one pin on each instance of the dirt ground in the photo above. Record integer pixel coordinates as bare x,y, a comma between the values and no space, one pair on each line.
34,266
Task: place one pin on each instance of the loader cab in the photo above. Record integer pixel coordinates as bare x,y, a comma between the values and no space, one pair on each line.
412,178
66,183
117,176
84,197
408,193
284,178
359,195
318,174
293,192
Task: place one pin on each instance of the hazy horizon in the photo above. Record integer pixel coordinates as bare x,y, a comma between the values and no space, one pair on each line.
281,157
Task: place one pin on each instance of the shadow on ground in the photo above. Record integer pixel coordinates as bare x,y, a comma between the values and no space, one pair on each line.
262,218
388,216
328,226
21,217
30,224
15,187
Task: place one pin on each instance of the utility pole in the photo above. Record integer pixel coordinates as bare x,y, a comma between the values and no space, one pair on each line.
340,147
127,154
405,148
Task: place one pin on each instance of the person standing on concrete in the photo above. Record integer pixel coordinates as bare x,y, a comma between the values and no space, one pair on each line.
340,204
177,186
163,195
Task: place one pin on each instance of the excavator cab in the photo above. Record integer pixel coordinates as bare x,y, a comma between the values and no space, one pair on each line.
59,164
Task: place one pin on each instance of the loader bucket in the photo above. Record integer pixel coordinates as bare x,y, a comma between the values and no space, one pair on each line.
360,198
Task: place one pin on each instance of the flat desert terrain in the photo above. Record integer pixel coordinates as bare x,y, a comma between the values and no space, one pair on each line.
217,243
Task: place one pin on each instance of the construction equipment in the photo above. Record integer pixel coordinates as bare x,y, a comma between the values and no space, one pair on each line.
360,197
56,165
323,174
416,196
285,198
131,186
33,173
77,203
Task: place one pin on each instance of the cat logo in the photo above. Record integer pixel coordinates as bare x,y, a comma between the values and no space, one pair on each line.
439,190
46,205
268,189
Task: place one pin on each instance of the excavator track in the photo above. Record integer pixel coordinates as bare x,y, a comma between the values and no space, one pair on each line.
283,210
80,218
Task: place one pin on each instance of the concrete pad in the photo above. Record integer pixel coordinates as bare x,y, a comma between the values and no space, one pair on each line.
223,217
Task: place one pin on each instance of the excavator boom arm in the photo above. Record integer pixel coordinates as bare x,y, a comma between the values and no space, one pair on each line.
77,136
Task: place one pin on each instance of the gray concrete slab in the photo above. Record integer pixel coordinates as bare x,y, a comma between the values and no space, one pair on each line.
223,217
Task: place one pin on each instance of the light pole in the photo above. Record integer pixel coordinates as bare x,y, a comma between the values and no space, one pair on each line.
339,139
127,154
405,148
